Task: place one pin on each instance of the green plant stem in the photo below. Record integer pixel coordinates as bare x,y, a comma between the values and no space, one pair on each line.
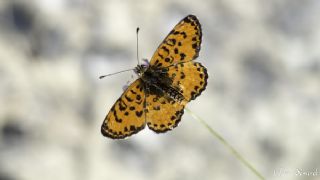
226,144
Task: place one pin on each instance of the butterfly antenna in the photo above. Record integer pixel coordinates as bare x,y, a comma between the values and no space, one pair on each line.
126,69
138,44
115,73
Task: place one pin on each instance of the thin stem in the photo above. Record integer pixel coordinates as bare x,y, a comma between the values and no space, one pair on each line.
226,144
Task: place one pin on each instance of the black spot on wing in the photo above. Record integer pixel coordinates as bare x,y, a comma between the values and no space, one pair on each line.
182,75
139,113
132,108
171,42
195,46
176,51
182,56
165,49
157,108
122,105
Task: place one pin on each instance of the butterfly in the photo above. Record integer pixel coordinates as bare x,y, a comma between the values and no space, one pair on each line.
165,85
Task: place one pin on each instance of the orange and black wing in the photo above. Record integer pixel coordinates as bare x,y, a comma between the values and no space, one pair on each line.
181,45
163,113
127,115
190,78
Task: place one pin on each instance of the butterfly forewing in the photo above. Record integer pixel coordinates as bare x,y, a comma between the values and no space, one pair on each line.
181,45
127,115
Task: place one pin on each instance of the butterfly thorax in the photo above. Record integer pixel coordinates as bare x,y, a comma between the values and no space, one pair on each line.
157,82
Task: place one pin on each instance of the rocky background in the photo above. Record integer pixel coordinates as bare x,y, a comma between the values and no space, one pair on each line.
263,93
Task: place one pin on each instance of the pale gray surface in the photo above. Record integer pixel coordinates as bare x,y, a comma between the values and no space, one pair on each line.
263,59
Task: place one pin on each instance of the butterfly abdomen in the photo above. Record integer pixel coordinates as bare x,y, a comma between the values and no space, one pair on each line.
173,93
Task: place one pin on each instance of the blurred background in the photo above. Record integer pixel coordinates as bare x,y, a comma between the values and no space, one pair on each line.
263,59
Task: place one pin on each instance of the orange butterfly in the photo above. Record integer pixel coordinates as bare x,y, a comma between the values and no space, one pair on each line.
171,79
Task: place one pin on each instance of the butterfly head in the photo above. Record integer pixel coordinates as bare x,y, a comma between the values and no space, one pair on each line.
141,68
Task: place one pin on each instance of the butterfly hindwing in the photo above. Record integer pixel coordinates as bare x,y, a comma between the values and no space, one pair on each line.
163,113
181,45
127,115
191,78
